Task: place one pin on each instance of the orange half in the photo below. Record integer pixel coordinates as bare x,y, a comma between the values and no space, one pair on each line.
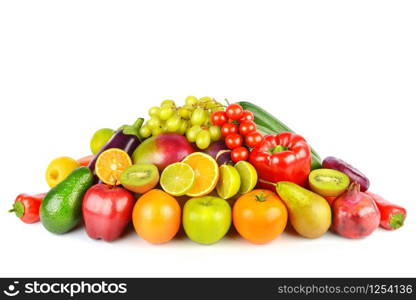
110,164
206,173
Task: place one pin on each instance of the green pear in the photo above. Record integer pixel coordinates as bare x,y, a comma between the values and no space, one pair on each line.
309,213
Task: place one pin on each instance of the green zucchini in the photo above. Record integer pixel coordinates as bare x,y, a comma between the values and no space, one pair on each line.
268,124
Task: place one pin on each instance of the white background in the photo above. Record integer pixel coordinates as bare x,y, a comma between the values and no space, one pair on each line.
341,73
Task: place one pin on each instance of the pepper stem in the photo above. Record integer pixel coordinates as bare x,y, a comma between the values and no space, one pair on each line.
18,209
396,221
277,149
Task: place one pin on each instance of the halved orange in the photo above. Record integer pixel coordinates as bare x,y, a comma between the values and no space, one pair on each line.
206,173
110,164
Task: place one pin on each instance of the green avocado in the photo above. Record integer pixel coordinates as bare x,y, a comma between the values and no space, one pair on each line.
61,208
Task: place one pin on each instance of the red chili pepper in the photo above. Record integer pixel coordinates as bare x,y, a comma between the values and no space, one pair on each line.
282,157
392,216
26,207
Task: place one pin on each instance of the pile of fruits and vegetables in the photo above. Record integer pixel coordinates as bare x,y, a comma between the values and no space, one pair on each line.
206,166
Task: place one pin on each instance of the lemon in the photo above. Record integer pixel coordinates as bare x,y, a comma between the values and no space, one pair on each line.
177,179
248,175
229,183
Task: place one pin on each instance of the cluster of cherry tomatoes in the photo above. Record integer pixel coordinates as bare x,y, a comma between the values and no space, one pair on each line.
238,129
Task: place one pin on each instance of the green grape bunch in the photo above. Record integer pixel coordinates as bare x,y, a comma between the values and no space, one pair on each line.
193,120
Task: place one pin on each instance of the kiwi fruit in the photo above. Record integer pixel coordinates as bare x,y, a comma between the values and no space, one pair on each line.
140,178
328,182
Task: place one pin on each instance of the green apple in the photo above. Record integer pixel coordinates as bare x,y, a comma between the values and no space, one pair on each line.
100,138
206,220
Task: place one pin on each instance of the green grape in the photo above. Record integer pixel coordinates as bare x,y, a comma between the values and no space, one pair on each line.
208,121
198,116
154,111
203,139
156,131
218,107
192,132
191,100
205,99
211,105
215,133
173,123
145,131
184,112
168,103
153,122
163,126
166,112
183,127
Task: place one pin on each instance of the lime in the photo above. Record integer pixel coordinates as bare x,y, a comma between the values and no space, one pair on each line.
229,182
100,138
177,179
248,176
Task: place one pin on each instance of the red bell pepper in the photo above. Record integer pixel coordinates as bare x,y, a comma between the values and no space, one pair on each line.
26,207
282,157
107,211
392,216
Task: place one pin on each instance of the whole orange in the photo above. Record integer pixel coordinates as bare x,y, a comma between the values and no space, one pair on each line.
156,217
259,216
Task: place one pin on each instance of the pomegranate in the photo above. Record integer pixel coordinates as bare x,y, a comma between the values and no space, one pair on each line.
355,214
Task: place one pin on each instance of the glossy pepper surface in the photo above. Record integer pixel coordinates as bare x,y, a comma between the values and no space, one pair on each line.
392,215
26,207
282,157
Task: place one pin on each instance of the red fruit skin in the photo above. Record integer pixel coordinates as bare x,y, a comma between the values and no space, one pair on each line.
31,205
388,211
85,161
107,211
163,150
355,214
330,200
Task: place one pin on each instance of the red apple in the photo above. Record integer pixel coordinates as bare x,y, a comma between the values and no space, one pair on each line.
162,150
106,211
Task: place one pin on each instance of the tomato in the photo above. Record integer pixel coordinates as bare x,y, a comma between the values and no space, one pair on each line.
234,111
260,216
156,217
219,118
246,127
330,200
240,153
247,116
233,140
253,139
229,128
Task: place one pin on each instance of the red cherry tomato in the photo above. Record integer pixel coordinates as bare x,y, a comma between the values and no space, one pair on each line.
240,153
247,116
247,127
253,139
219,118
229,128
233,140
234,111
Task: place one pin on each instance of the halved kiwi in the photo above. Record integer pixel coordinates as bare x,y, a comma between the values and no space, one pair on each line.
328,182
140,178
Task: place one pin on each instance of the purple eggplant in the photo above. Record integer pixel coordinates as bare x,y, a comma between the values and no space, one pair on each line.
354,174
127,138
220,152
